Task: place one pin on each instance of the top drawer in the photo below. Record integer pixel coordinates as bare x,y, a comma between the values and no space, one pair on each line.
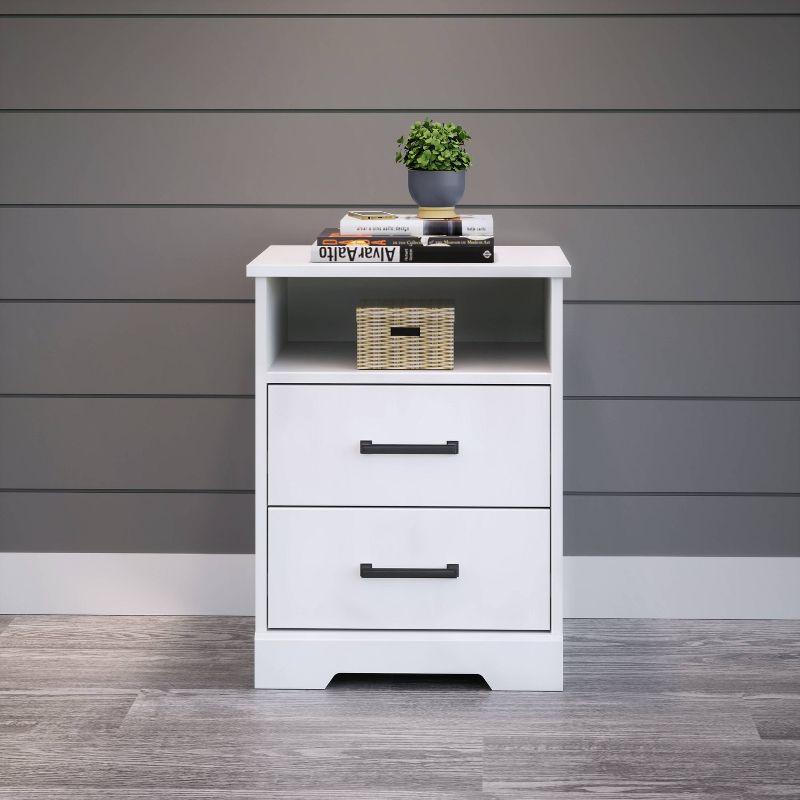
316,455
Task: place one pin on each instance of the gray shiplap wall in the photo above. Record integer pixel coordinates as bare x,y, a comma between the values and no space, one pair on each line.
149,149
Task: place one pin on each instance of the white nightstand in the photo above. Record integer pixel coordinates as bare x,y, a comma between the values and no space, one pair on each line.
433,561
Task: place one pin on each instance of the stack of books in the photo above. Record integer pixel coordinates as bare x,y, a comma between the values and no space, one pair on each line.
381,236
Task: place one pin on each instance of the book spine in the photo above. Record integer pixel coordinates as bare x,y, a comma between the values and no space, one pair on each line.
456,254
381,227
357,254
416,227
394,254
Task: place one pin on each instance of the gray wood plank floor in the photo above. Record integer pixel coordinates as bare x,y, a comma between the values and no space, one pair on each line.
161,708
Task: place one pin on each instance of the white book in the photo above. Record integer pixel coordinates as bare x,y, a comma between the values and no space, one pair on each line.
385,223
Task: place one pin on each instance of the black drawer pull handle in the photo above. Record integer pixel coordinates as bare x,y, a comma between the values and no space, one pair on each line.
368,571
368,448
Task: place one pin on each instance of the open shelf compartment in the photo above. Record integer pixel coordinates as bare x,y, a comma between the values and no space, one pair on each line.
500,329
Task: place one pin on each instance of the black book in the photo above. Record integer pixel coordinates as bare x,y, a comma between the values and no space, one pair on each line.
331,245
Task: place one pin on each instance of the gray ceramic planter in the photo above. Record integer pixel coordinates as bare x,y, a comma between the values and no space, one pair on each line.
436,192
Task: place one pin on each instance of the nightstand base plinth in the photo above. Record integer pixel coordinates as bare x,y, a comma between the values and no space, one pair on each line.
310,659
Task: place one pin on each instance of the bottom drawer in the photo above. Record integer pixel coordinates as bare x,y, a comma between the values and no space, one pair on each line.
319,575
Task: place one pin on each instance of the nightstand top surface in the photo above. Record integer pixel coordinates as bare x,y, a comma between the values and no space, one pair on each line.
511,261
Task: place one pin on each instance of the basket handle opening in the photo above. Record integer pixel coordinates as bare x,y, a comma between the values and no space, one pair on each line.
405,330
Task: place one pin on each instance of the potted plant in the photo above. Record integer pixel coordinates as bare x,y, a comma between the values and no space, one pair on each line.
437,162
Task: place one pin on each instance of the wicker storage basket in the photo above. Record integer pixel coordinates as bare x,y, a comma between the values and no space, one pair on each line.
413,334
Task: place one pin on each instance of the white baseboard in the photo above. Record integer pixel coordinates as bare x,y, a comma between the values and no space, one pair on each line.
126,583
595,586
682,587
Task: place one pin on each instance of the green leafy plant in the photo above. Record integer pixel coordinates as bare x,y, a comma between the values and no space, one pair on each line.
434,146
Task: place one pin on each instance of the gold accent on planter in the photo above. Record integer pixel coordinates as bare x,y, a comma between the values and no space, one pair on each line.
436,212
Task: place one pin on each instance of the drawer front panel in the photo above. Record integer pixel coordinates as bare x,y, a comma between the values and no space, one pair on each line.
409,559
328,445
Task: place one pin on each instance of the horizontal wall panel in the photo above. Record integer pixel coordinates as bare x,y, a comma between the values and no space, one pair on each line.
613,525
242,63
606,525
164,348
345,159
391,8
723,350
36,522
685,446
611,445
126,348
143,253
672,254
124,443
119,348
199,253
